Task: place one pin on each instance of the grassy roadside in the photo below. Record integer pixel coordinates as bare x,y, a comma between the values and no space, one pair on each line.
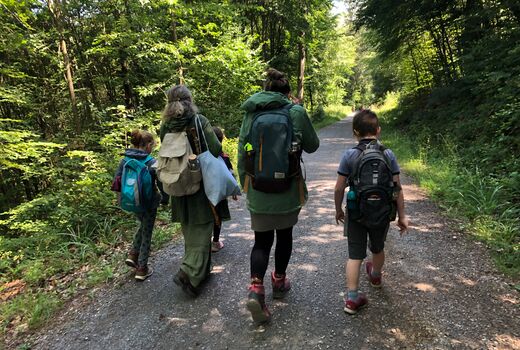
468,195
328,115
26,303
46,271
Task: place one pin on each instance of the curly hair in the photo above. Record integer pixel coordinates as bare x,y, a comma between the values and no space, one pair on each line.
180,102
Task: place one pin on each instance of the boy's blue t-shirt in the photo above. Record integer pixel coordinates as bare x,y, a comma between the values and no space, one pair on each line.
350,155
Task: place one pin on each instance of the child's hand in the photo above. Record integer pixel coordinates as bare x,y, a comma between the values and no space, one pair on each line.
403,224
340,216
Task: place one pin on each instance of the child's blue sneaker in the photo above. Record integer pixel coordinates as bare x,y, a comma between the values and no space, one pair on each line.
353,305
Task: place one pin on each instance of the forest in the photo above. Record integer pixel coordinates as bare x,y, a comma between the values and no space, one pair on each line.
77,75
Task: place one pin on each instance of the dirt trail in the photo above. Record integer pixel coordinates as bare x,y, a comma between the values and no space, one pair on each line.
440,289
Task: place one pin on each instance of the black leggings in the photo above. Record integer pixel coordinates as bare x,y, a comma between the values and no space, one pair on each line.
216,232
262,249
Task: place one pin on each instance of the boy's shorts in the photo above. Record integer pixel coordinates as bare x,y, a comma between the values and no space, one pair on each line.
357,239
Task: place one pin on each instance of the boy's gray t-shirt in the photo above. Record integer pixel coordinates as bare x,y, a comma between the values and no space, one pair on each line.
350,155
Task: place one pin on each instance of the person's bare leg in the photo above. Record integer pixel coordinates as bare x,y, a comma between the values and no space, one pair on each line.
378,261
352,273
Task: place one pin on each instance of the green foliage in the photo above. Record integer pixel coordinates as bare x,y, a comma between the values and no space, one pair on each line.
478,200
223,78
456,65
230,147
36,307
318,114
77,76
331,114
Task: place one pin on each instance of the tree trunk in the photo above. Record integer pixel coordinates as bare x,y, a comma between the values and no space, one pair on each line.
301,67
181,76
448,51
440,53
310,97
55,9
174,25
69,78
415,68
127,88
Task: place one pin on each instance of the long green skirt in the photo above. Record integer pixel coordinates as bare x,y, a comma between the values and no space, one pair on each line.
196,262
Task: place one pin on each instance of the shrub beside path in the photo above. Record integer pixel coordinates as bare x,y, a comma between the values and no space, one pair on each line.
440,290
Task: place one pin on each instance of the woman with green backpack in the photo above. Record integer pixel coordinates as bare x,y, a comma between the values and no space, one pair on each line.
274,132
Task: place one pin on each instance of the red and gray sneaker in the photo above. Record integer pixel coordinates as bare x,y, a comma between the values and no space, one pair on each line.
374,281
353,305
281,285
256,304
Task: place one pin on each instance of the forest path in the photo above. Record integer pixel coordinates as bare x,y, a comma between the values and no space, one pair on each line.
440,291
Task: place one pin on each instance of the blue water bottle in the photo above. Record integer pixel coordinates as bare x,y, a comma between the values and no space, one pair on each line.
351,200
351,209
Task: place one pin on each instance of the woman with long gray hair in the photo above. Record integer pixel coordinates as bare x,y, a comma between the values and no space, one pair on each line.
194,212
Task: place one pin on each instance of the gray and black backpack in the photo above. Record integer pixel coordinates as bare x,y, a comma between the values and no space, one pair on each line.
372,181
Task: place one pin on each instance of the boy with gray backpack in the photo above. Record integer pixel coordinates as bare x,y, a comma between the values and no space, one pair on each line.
374,198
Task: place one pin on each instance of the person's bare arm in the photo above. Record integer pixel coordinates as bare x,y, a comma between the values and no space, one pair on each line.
402,221
339,193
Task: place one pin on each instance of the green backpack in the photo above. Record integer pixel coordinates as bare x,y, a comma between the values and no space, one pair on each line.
272,155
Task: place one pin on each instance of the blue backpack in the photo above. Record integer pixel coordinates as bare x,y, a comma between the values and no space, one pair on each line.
136,185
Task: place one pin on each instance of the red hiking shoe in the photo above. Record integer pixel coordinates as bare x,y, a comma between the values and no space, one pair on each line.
374,281
281,285
352,306
256,304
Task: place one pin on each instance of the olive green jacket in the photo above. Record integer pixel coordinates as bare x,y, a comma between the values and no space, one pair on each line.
290,200
195,209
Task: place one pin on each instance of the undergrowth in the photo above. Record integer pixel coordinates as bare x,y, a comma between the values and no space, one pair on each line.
44,272
482,203
323,117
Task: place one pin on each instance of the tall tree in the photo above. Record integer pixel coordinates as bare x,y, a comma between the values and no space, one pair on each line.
55,8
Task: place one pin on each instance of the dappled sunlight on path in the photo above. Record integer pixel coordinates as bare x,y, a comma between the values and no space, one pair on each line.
440,290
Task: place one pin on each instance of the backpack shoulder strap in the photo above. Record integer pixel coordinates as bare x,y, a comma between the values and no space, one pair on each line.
127,160
361,147
193,133
355,163
200,131
288,107
148,159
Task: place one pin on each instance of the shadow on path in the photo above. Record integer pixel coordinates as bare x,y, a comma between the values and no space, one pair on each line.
440,289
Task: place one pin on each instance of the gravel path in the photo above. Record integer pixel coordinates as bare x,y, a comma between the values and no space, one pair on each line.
440,288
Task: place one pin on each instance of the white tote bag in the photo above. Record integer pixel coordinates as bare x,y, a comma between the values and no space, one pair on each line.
218,181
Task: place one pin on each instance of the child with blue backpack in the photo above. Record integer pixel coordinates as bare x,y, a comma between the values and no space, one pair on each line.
136,184
374,198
